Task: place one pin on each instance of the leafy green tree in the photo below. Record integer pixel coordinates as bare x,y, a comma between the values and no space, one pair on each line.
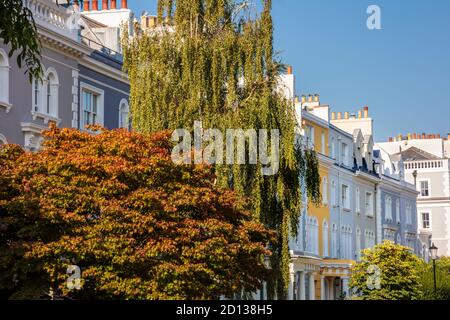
442,280
139,226
213,61
387,272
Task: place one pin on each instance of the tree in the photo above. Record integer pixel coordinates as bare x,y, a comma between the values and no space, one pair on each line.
442,280
213,61
387,272
137,225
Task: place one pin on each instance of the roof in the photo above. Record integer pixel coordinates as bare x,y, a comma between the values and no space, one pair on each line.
416,154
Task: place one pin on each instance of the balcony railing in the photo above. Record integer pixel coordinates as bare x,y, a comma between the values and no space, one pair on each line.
426,164
99,47
55,17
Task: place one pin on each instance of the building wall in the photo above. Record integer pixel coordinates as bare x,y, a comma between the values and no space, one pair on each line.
21,93
114,92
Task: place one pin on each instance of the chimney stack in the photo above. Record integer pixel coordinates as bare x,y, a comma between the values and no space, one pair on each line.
105,5
86,5
113,4
94,5
289,70
124,4
366,112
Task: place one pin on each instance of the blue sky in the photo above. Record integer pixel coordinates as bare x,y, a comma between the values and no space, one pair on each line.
402,72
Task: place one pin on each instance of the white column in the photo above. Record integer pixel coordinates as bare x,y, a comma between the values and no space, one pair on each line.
322,288
302,286
331,288
291,286
312,287
345,286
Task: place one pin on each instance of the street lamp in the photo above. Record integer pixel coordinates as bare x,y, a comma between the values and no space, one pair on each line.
433,253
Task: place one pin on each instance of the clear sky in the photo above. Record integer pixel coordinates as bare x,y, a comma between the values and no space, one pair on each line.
402,72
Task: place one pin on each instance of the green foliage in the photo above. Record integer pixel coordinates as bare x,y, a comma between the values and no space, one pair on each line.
442,280
399,273
138,226
212,61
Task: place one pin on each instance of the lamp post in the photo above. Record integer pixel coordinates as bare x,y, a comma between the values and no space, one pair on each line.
433,253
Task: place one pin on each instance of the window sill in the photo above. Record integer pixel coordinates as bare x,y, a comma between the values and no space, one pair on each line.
6,105
46,117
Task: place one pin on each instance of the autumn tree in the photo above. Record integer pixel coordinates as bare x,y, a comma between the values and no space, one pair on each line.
387,272
213,61
138,226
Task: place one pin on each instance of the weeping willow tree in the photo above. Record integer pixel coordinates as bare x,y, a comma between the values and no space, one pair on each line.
213,61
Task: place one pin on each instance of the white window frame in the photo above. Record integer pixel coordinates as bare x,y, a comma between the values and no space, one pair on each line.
5,78
344,153
124,102
323,143
345,193
325,239
39,108
397,210
3,139
428,188
368,206
358,200
422,220
388,208
100,103
325,191
409,209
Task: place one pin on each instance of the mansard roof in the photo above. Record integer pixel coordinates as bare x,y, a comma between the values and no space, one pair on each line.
414,154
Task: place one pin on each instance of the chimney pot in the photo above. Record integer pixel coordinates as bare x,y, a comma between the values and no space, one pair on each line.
310,98
303,98
366,112
105,5
86,5
346,115
333,116
289,70
316,98
113,4
391,139
339,115
359,114
94,5
124,4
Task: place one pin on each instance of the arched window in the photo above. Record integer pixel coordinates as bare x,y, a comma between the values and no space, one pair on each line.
325,241
324,191
124,114
388,208
358,200
358,244
4,78
334,241
2,139
397,210
46,94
